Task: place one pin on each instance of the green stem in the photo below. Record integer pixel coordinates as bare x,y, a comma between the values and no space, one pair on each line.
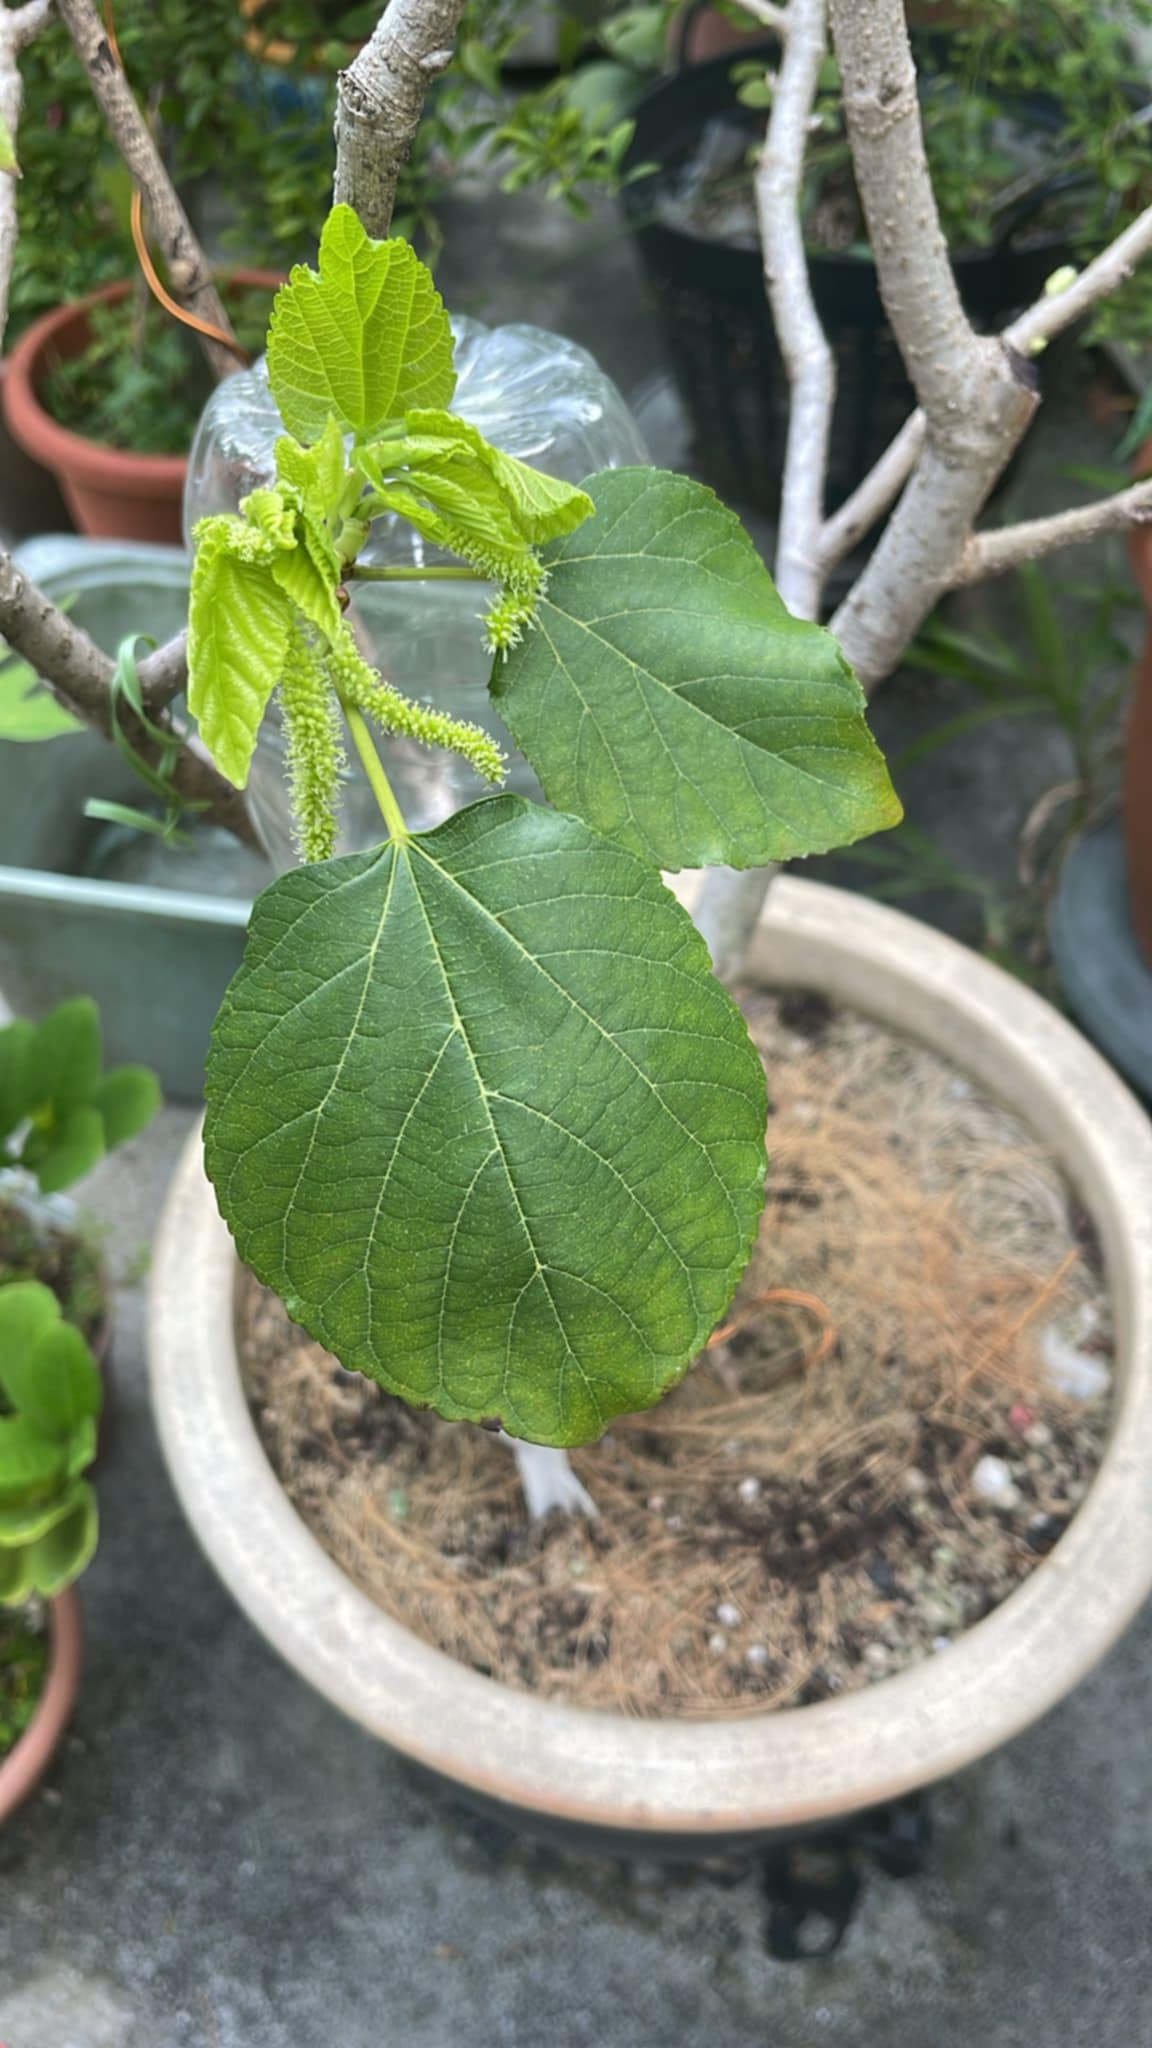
363,573
382,790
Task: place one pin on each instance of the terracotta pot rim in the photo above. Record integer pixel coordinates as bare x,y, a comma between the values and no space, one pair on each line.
756,1775
59,448
24,1766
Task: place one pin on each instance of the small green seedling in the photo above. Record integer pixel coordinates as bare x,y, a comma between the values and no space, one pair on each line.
50,1401
477,1107
59,1111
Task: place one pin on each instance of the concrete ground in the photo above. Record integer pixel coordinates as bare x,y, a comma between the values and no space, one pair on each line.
220,1861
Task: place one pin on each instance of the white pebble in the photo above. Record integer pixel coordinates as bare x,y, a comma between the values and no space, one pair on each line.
914,1481
749,1489
728,1616
717,1644
1076,1373
941,1643
756,1655
992,1480
656,1502
877,1655
1037,1436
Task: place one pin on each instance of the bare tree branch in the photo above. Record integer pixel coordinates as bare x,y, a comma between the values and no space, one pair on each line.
18,27
188,272
78,673
874,494
990,554
164,674
807,357
1055,311
977,393
380,99
1050,315
730,901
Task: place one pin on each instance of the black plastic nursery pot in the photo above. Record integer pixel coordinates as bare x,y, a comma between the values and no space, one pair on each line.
718,329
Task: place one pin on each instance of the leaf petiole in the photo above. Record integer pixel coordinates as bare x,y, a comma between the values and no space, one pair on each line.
382,790
362,572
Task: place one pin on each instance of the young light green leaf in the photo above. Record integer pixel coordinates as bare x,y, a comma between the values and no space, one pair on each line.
479,1110
239,620
301,556
364,340
669,698
311,591
544,507
317,472
27,710
456,505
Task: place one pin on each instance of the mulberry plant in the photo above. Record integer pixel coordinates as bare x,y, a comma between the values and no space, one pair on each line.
477,1106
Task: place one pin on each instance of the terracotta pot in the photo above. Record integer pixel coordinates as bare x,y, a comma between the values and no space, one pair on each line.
24,1766
677,1785
1138,751
30,498
110,492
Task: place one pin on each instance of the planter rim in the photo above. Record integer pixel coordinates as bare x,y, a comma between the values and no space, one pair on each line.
695,74
797,1767
60,448
24,1766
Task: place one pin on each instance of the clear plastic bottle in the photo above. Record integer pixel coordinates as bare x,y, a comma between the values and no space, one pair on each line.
532,393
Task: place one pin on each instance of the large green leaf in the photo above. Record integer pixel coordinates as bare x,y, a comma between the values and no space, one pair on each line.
238,626
478,1109
363,341
669,698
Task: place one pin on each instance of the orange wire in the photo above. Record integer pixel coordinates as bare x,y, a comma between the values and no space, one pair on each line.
158,290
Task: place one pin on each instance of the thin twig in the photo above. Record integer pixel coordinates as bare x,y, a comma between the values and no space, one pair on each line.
78,673
18,27
729,903
990,554
380,99
1049,316
189,275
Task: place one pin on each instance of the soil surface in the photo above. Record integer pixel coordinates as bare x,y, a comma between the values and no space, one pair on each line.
896,1423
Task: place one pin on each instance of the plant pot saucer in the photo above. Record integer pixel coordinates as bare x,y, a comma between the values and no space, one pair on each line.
657,1786
1102,971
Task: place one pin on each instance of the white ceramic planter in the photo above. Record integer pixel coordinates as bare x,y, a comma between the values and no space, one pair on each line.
672,1783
